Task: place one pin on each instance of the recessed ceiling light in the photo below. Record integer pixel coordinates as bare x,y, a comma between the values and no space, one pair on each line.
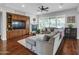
61,5
23,5
38,12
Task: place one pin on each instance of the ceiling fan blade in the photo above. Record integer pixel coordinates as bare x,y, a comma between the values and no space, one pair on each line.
46,8
42,8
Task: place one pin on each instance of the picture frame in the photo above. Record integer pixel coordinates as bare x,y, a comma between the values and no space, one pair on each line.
71,19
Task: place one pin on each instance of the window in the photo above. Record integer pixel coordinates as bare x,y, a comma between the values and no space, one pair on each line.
43,23
60,22
56,22
52,22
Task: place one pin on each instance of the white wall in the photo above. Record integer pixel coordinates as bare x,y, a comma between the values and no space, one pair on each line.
77,17
77,26
3,26
0,21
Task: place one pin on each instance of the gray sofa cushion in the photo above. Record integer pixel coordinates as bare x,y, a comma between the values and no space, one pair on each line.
46,38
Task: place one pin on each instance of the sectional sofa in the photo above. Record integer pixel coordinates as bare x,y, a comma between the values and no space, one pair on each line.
43,44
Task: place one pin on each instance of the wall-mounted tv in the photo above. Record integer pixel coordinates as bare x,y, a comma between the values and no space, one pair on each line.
18,24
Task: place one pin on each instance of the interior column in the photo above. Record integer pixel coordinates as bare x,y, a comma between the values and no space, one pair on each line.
3,33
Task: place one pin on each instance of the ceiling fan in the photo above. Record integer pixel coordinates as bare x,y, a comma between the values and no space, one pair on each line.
43,8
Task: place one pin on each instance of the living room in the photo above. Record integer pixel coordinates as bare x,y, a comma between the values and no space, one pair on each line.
39,28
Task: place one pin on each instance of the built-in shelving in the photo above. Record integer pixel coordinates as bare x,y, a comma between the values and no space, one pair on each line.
11,32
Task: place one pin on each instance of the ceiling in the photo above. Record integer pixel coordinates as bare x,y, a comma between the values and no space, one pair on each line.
32,8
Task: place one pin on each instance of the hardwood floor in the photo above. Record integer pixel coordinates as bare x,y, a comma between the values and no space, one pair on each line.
15,48
67,47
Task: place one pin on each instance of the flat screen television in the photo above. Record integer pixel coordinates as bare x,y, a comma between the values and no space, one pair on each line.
18,24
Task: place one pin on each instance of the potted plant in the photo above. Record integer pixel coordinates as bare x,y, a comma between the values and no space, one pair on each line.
70,26
38,31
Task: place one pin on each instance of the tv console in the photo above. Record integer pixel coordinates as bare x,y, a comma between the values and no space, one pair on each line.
12,30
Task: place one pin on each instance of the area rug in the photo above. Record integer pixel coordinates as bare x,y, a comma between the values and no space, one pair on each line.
22,42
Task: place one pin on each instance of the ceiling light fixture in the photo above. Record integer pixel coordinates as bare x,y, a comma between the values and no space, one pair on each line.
23,5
